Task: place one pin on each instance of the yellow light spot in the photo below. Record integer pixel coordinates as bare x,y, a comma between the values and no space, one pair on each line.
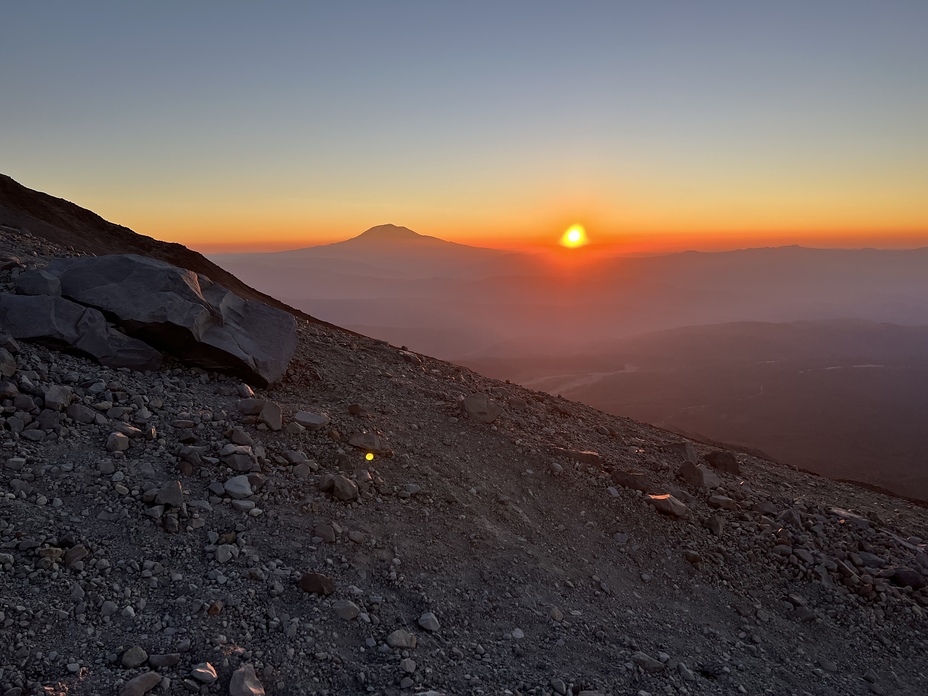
369,456
574,237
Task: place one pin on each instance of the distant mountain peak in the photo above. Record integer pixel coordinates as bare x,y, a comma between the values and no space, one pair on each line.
389,231
387,236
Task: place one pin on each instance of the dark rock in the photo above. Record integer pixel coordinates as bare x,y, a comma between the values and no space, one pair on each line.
906,577
698,475
141,684
481,408
37,282
7,363
685,449
245,682
369,442
68,326
183,313
723,461
582,456
317,583
636,480
668,505
171,493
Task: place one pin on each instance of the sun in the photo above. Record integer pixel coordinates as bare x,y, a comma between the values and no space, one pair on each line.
574,237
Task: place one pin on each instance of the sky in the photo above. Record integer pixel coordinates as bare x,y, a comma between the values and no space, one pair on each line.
655,125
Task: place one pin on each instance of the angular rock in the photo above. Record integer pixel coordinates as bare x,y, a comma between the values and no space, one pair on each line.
134,657
271,415
402,639
636,480
429,622
183,313
167,660
722,502
7,363
668,505
204,673
37,282
698,475
68,326
238,487
906,577
582,456
684,448
342,488
81,413
481,408
723,461
647,663
311,421
346,609
170,493
317,583
117,442
141,684
58,397
369,442
245,682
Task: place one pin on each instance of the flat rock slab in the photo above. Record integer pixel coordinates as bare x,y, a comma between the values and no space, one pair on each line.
668,505
183,313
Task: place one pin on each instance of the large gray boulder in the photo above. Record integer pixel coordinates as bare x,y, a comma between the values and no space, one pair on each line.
184,314
68,326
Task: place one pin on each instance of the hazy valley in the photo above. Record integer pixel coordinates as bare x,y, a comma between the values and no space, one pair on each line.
773,349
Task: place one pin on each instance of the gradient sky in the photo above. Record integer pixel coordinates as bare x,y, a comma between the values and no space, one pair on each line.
659,124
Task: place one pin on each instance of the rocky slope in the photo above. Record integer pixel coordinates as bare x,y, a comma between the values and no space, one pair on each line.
60,223
386,523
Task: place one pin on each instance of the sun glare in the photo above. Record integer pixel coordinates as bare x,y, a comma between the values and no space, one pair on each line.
574,237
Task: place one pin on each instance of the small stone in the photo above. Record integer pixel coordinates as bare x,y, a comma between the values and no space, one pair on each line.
117,442
311,421
556,614
369,442
271,415
245,682
238,487
75,554
346,609
134,657
141,684
647,663
636,480
723,461
481,408
401,639
408,665
171,493
168,660
204,673
429,622
317,583
668,505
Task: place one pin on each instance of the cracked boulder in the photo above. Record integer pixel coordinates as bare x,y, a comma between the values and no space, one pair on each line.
184,314
68,326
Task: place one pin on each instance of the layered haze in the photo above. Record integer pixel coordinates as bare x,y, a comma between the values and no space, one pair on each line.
818,357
